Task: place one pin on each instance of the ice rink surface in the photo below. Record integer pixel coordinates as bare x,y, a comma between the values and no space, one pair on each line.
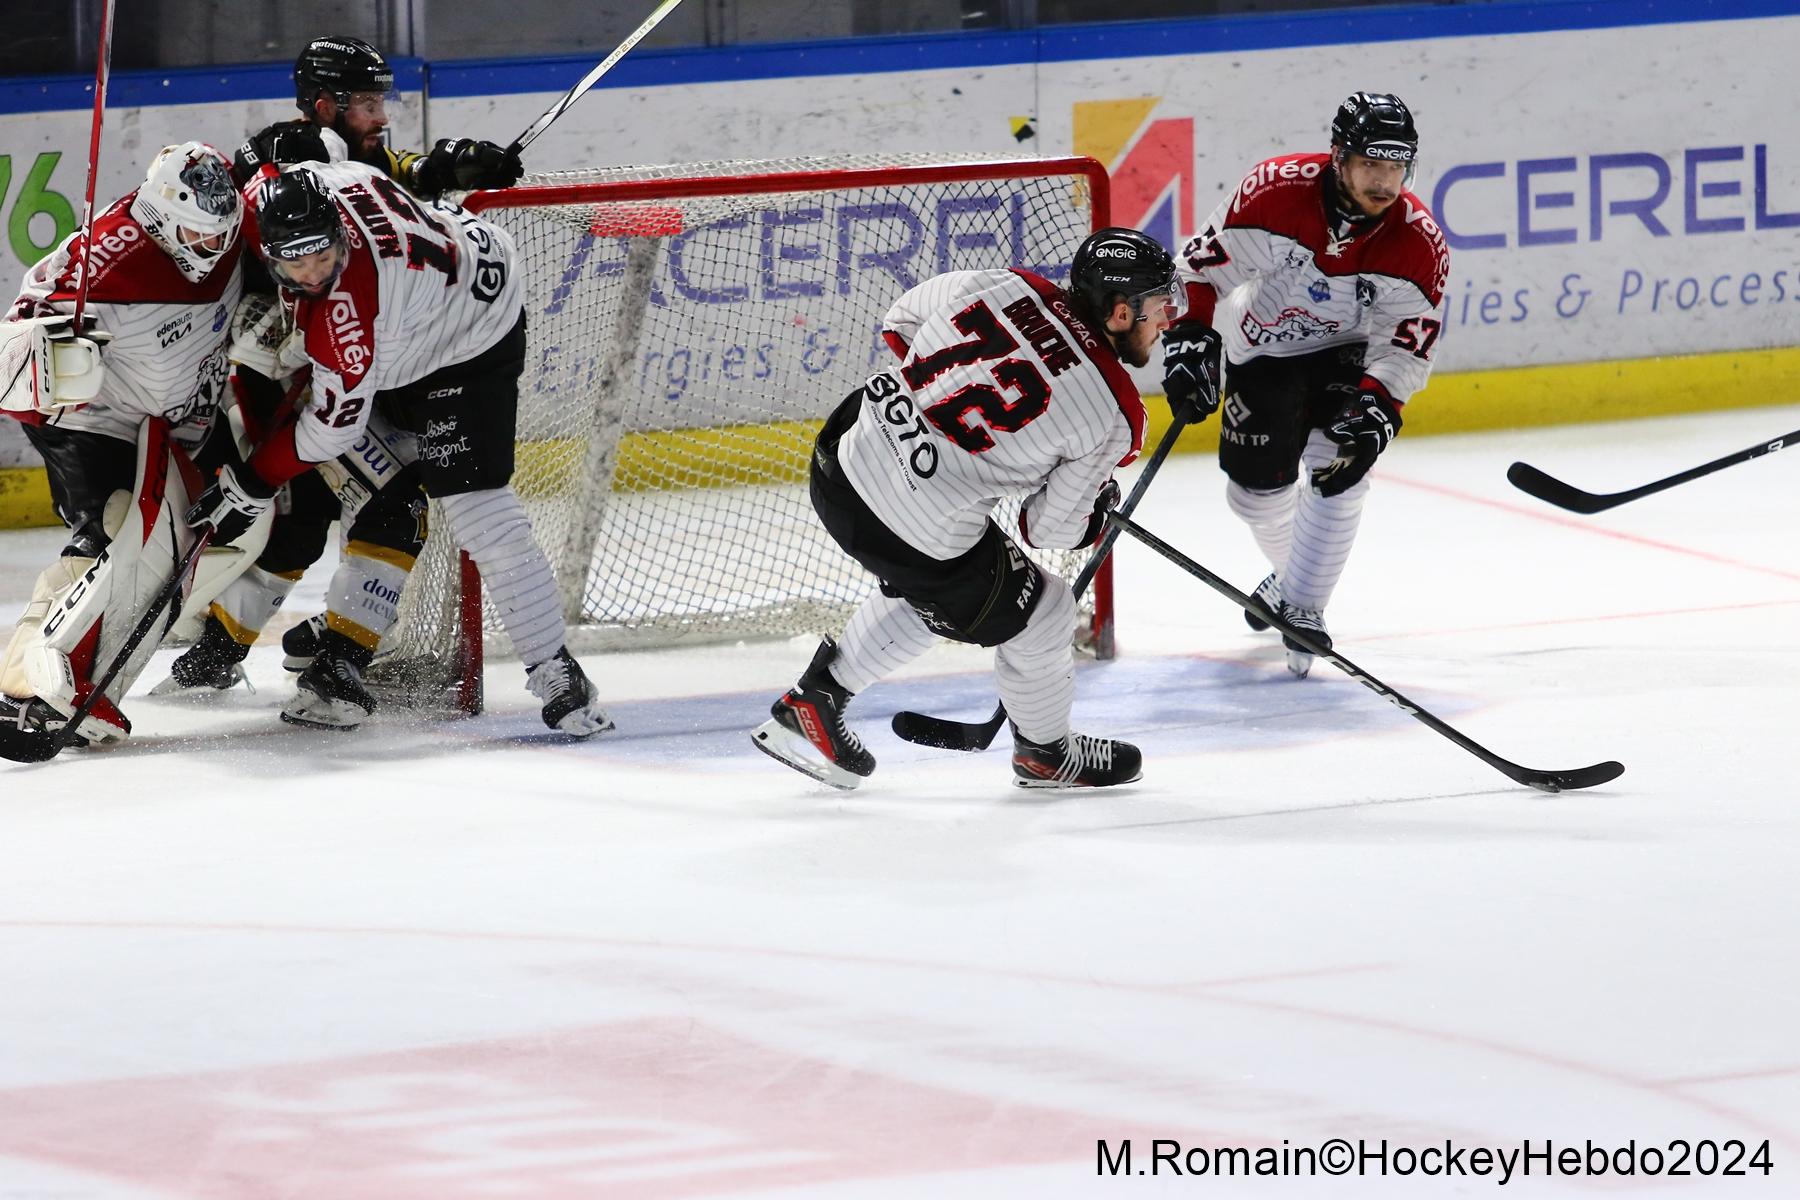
463,960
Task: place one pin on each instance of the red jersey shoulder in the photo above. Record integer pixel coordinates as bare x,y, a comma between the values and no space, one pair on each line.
1281,195
1411,246
125,266
340,328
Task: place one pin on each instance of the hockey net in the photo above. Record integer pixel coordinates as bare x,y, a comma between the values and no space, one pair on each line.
690,328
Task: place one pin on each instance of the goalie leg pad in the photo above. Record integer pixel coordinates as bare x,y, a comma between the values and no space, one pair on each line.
87,620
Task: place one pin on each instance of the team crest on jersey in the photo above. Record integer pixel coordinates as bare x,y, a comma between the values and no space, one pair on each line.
1365,293
1320,291
1293,325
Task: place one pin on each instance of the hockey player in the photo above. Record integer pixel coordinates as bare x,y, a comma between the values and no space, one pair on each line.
1345,270
106,406
412,317
342,85
1006,385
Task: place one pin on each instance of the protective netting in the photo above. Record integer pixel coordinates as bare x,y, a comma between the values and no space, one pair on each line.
685,345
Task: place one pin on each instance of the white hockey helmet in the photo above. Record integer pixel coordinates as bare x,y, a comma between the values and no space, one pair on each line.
189,206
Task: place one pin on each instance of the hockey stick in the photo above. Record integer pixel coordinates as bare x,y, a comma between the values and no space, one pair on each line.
946,734
24,748
1548,781
1532,481
102,68
591,78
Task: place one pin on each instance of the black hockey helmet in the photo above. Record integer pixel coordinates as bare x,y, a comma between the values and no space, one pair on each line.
1377,125
295,219
1124,264
337,67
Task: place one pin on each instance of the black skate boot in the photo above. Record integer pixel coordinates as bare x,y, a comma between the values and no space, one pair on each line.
215,663
1267,599
1310,621
568,696
806,728
1074,761
301,643
330,693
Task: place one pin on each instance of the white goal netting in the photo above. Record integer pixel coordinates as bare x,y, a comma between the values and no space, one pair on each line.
690,327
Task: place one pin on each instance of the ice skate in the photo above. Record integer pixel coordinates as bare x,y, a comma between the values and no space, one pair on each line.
807,731
330,693
1267,599
215,663
568,696
1310,621
1076,760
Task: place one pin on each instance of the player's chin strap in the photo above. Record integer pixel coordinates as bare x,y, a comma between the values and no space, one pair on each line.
946,734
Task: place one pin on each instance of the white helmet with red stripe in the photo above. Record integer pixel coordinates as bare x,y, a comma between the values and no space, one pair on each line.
188,206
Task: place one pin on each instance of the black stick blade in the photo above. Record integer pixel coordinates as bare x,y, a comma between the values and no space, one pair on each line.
28,745
945,734
1569,781
1550,490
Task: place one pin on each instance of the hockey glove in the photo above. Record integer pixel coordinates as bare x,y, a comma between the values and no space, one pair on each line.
1365,425
281,145
1191,371
461,164
231,504
1105,502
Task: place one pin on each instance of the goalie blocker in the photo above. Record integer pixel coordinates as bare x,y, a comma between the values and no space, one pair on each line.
86,604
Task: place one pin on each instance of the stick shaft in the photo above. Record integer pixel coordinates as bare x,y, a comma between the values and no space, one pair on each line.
102,69
592,77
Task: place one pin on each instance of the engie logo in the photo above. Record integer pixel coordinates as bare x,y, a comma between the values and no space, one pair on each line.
1115,252
1151,163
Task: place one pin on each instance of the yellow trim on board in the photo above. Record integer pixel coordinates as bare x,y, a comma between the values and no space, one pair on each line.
1467,402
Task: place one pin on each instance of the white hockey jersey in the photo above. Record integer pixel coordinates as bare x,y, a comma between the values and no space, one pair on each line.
428,285
169,336
1308,289
1002,391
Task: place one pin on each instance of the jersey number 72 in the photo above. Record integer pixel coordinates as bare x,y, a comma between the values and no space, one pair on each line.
988,340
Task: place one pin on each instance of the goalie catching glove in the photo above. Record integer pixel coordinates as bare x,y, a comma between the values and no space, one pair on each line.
231,504
1365,425
45,364
1191,371
461,164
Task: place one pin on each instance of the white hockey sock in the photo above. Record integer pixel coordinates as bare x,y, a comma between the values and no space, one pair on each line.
492,526
249,602
1324,530
1270,516
364,596
884,635
1035,668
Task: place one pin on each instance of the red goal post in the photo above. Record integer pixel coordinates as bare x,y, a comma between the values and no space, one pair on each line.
690,327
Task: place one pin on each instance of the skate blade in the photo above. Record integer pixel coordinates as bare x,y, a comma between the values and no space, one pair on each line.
1299,663
783,745
334,715
1073,786
174,687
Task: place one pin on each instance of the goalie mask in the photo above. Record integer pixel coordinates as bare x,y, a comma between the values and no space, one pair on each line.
300,234
188,206
1123,264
